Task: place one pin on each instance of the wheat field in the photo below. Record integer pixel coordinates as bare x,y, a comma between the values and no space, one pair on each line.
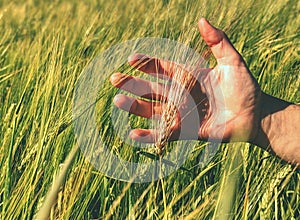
45,45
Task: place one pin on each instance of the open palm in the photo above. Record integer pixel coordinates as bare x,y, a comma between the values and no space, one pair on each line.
227,96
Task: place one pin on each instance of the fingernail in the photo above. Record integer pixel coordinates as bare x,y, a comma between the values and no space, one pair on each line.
114,78
135,57
202,19
132,135
131,58
117,99
124,102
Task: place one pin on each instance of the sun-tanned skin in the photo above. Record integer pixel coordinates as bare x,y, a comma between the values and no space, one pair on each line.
242,112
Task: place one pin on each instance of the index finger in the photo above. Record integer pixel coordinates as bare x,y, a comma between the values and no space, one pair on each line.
154,66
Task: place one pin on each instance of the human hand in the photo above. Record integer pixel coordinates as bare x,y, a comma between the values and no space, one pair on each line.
227,97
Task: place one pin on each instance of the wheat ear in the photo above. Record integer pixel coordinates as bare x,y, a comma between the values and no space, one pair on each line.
182,82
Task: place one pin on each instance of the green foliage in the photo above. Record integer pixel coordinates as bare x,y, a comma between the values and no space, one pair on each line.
44,46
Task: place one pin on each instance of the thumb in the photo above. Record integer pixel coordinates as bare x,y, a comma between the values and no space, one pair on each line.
219,43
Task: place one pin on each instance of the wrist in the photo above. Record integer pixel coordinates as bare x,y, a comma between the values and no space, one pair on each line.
270,119
279,128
